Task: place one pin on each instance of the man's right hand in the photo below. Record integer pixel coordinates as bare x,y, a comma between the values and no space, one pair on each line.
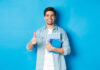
33,42
34,39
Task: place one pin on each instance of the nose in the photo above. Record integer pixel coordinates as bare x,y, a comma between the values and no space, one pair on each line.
50,17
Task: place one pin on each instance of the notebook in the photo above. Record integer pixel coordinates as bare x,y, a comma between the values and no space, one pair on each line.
54,39
53,36
55,43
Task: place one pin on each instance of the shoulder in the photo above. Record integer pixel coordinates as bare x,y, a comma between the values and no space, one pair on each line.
41,29
61,29
64,34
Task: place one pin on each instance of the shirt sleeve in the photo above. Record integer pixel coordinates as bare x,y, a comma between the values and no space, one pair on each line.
65,44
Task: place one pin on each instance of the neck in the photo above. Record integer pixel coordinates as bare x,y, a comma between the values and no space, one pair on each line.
50,26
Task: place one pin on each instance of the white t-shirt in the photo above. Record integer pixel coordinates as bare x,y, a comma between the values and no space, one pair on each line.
48,57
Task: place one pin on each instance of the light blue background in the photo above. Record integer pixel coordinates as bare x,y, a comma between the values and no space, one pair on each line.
20,18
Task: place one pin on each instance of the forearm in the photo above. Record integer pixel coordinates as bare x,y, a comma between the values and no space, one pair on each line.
59,50
30,46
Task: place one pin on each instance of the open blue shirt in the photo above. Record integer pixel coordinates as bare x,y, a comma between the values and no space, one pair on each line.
59,60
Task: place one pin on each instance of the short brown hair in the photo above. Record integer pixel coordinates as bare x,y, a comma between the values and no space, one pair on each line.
50,9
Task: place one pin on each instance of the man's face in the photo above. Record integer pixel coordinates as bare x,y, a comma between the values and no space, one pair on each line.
49,17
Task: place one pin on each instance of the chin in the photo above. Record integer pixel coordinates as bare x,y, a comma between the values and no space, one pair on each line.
50,23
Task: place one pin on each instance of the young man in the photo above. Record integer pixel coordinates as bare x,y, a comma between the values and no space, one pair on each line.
45,59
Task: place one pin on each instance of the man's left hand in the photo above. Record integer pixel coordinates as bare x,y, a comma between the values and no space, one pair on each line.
49,47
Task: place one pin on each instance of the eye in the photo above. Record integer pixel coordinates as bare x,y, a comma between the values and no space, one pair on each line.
52,15
47,15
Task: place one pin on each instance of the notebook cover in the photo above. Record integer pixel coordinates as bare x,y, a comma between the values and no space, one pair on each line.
55,43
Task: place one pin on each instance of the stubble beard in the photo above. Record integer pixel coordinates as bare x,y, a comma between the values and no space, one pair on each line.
50,23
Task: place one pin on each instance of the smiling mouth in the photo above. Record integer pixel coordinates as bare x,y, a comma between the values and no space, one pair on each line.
49,21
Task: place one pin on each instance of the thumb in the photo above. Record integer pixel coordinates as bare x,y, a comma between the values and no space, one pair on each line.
34,35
